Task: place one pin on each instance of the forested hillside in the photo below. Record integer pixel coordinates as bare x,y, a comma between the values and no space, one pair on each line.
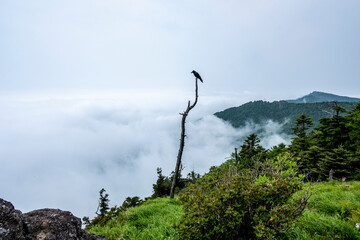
279,111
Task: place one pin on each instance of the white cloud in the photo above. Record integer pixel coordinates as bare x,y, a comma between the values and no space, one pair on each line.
58,150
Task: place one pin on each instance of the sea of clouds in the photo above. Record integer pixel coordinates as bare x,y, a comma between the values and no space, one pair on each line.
59,150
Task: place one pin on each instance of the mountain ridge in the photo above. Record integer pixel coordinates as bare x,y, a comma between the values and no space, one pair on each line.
283,111
317,96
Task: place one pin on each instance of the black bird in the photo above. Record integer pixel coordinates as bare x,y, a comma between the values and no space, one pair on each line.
197,75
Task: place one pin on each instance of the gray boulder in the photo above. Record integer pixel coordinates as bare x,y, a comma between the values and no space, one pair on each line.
43,224
11,222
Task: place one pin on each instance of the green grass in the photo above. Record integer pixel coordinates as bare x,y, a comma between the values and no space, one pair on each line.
332,213
152,220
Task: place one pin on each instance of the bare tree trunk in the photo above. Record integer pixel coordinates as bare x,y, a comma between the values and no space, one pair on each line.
182,140
236,159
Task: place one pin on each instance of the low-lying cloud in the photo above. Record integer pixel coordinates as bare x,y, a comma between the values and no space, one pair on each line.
58,152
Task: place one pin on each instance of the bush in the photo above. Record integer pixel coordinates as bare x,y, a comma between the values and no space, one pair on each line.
227,204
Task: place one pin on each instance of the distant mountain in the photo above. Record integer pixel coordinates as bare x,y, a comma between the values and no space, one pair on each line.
284,112
316,97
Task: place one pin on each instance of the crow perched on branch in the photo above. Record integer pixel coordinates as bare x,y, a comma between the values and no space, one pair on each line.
197,75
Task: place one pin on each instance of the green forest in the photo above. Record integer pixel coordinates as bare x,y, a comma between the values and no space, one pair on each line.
259,112
309,189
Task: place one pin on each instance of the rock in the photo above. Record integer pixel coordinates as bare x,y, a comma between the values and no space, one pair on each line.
49,224
43,224
11,222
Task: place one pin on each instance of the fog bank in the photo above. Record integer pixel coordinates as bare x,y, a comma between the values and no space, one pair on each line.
58,151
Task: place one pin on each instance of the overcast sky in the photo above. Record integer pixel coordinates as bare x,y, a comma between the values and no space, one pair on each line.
90,91
274,49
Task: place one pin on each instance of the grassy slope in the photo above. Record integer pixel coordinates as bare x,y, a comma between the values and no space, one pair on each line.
330,216
152,220
333,211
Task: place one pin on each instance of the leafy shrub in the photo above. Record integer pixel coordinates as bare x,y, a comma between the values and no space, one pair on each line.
227,204
355,216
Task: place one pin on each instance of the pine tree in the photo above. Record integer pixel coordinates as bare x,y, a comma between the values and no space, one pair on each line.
251,151
353,124
301,141
355,165
277,150
309,162
333,132
103,203
340,160
162,186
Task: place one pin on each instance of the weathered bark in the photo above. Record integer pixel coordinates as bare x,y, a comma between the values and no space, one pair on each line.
236,159
182,140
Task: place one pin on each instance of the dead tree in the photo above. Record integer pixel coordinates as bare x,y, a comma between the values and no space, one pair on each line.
236,159
182,140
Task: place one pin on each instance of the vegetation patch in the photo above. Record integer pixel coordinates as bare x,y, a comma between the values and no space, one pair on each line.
248,204
332,213
154,219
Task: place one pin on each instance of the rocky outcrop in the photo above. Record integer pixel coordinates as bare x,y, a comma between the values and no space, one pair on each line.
11,222
43,224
